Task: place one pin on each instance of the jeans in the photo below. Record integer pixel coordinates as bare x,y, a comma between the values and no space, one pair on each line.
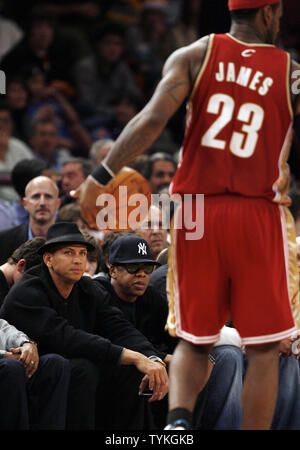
219,404
37,403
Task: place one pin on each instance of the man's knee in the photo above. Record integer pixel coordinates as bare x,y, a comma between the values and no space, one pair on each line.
55,363
12,370
85,372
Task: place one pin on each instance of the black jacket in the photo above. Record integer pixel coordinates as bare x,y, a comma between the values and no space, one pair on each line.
148,314
11,239
82,326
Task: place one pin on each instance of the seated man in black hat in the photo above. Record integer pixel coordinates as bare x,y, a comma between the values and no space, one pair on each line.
69,314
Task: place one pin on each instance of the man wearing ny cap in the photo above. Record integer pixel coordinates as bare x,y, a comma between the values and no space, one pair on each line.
130,267
235,149
69,314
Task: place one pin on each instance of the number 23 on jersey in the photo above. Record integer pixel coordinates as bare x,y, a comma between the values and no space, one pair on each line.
242,143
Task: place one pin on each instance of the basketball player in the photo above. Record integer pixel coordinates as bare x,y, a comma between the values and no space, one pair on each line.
236,144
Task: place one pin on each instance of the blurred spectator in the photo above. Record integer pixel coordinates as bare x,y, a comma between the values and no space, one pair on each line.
93,256
159,170
99,150
12,150
149,43
74,171
125,12
154,230
13,213
290,28
187,29
102,77
54,50
45,145
17,101
42,202
47,101
124,109
71,213
22,259
10,33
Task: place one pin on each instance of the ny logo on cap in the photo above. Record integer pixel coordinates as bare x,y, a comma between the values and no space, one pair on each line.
142,248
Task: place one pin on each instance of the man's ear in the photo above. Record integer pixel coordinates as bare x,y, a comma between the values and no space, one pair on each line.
112,271
21,265
24,202
47,258
268,14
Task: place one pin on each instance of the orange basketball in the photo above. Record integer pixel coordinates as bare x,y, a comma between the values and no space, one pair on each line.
126,198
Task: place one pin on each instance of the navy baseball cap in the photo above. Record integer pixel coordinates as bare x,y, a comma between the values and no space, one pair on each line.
130,249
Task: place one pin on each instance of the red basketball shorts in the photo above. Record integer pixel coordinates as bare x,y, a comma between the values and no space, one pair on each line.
238,270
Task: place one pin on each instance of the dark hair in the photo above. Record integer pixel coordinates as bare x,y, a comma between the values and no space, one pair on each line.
28,251
158,156
69,213
248,15
86,164
109,238
97,253
24,171
106,28
5,107
40,13
36,123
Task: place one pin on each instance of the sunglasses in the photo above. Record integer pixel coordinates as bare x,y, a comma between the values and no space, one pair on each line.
134,268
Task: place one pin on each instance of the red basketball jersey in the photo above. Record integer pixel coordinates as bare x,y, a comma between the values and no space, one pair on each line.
239,123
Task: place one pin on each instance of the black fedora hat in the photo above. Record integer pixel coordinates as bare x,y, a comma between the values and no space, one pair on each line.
130,249
64,233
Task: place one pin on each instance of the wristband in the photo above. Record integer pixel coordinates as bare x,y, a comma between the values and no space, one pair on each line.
157,359
103,174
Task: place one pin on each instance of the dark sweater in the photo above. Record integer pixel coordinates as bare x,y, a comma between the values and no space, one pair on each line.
82,326
4,288
148,314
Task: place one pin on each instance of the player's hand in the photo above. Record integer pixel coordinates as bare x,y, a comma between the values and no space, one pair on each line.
87,194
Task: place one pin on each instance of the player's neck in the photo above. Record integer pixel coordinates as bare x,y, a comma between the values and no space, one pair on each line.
247,32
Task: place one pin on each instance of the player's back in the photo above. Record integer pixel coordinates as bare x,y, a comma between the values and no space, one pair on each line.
239,123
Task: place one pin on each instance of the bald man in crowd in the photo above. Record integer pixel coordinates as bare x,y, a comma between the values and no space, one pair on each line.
42,202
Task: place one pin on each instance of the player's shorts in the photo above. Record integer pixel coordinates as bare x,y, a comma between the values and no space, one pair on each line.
238,270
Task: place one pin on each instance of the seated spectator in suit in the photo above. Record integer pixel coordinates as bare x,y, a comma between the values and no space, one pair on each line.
42,202
12,150
72,317
22,258
33,388
13,213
